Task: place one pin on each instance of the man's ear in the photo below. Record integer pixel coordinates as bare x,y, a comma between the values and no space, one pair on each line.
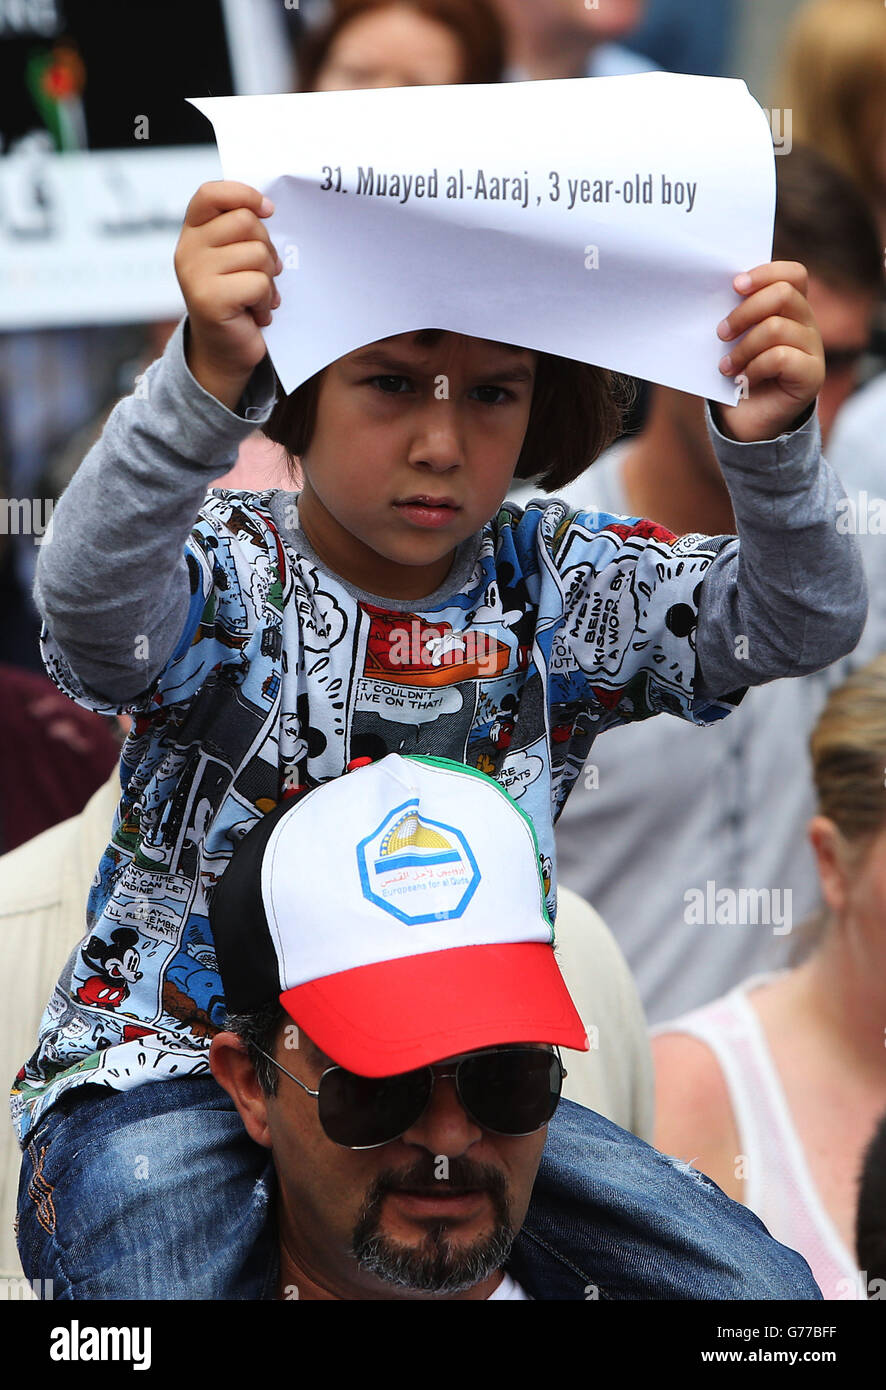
230,1065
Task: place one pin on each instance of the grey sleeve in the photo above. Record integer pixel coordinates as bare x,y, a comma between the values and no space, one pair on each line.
113,580
787,597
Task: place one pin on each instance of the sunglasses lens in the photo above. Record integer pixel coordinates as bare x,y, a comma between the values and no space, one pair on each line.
361,1112
511,1092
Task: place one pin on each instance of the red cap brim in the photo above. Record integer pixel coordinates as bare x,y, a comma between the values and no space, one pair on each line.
397,1015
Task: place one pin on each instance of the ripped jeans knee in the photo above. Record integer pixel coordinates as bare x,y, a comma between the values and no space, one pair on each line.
152,1193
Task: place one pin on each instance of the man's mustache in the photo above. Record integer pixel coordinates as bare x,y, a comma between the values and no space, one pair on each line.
462,1175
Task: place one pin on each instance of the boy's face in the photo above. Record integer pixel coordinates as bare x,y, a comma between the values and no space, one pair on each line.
413,450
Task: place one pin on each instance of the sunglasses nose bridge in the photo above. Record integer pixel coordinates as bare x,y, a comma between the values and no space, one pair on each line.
445,1125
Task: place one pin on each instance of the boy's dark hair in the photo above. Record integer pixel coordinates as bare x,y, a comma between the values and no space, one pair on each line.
576,412
870,1221
474,23
823,220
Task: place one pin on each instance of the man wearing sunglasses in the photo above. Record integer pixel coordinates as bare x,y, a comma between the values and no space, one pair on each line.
429,1213
395,1012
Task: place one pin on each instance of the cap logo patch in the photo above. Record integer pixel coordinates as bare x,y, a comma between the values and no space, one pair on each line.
417,869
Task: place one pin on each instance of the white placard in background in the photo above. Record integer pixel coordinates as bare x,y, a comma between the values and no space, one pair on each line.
601,219
97,243
88,235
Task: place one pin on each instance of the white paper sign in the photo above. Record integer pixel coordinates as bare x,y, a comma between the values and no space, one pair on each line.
602,219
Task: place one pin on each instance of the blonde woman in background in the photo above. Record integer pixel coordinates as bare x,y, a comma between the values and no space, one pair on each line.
833,81
775,1089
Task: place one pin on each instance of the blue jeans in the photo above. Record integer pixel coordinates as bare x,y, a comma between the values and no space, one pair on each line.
150,1193
159,1193
612,1218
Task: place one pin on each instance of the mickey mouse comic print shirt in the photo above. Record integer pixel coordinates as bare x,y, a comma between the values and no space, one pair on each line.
551,628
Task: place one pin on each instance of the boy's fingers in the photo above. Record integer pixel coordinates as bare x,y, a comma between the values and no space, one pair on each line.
780,299
794,272
772,333
242,289
261,309
239,224
244,255
238,284
222,195
785,364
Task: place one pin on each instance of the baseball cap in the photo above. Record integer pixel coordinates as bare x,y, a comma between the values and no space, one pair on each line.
398,914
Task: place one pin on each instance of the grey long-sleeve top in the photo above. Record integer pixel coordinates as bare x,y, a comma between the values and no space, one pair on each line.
113,581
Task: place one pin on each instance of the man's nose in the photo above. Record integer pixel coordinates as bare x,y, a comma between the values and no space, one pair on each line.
445,1127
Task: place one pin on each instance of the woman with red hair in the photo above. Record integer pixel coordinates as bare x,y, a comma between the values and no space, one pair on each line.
402,43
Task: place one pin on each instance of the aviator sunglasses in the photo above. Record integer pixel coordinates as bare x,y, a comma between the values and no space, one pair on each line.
509,1090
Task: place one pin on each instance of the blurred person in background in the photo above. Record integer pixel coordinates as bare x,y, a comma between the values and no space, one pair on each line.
684,36
669,809
829,225
54,755
833,82
857,453
52,382
775,1090
564,38
402,43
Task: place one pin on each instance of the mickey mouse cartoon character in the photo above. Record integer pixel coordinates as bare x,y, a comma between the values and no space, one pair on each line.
116,962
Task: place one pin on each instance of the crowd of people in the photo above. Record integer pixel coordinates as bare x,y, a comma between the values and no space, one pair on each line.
378,1114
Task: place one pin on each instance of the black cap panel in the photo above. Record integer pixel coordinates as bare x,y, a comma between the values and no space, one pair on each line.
247,959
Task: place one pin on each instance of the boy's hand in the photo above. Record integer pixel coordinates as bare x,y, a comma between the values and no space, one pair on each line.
781,353
225,264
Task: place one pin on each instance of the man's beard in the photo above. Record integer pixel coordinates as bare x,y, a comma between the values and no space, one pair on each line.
435,1265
